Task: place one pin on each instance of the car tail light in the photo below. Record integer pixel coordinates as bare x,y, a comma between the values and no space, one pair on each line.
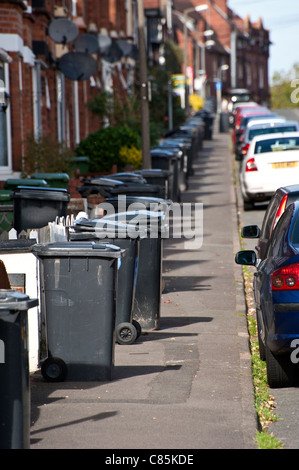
280,211
286,278
245,149
251,165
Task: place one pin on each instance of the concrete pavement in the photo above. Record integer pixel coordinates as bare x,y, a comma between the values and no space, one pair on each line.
187,385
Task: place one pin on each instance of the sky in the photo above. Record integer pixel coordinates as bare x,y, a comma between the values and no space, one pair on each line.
281,18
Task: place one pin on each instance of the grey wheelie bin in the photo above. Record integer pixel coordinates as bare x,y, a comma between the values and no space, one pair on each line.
78,285
101,231
181,148
149,279
14,370
184,142
168,159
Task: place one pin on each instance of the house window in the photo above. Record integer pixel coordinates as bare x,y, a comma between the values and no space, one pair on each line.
5,144
248,74
261,76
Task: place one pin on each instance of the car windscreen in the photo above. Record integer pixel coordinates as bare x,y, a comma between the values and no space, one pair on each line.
277,144
245,120
270,130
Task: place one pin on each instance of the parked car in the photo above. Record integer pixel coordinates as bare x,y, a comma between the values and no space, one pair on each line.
237,116
263,126
233,107
241,113
280,200
245,120
272,161
276,293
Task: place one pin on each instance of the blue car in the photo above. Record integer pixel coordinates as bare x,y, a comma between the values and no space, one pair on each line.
276,292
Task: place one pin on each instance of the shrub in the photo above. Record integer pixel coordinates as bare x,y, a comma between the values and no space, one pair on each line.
103,146
131,156
46,155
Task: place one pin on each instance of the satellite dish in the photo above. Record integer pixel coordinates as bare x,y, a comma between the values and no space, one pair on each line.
87,43
112,54
63,30
77,65
125,46
134,54
104,42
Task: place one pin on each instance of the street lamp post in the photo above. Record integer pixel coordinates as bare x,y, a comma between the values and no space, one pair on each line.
202,47
198,9
219,85
146,157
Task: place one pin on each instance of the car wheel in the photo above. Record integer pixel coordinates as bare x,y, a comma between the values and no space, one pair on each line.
279,370
248,205
262,348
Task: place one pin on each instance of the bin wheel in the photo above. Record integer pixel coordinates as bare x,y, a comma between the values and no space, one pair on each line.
126,333
137,326
54,369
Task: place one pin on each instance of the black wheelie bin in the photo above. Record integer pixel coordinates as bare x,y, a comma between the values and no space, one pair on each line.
104,231
156,176
111,187
149,278
34,207
168,159
128,203
14,370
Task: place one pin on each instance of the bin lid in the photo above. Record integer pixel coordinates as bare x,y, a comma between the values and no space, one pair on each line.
165,153
128,177
80,158
13,183
20,245
172,143
11,300
140,202
108,228
184,139
154,172
105,182
144,218
31,192
77,249
51,176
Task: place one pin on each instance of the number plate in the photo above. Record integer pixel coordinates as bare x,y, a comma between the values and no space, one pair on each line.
284,164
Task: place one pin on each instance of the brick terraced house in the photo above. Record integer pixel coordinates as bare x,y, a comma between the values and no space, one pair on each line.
38,98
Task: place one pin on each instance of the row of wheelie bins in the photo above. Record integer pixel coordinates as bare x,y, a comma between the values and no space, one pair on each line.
100,286
128,241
